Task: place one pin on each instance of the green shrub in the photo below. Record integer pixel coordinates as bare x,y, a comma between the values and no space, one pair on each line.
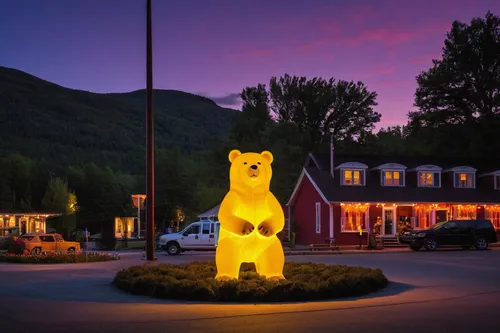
195,281
57,258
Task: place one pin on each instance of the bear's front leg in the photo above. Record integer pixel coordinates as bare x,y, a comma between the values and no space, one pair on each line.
271,261
227,260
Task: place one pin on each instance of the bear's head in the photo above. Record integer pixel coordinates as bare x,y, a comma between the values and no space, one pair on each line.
250,170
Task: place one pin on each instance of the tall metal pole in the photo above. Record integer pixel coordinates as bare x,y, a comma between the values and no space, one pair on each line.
138,216
150,163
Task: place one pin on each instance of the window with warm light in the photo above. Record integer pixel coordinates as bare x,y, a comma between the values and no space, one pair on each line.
392,178
492,213
429,179
354,217
353,177
464,180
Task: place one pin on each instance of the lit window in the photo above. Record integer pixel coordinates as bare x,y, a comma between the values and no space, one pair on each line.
352,177
464,180
429,179
392,178
354,217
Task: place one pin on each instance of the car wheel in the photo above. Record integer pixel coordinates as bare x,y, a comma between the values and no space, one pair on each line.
71,250
481,244
36,251
430,244
173,248
415,248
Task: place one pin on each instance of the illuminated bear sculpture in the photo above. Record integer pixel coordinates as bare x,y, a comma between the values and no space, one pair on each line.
250,217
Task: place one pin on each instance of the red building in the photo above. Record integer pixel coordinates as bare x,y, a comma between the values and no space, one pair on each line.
343,196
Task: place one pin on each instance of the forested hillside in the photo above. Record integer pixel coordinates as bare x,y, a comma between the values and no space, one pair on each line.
66,126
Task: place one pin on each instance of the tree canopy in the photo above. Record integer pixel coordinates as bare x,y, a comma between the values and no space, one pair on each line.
323,107
463,87
458,97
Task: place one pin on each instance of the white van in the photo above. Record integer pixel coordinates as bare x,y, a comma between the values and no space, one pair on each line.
198,236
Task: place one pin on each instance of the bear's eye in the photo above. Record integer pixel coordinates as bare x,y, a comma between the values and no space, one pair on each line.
245,163
258,163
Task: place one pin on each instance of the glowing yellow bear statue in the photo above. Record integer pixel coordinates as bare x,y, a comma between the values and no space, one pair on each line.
250,217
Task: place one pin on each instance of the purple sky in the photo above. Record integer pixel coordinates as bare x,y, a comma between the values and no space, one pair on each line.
218,47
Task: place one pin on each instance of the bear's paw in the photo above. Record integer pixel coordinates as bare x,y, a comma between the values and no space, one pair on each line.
247,229
265,229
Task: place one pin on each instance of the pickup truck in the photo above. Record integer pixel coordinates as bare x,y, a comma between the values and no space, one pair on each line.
198,236
37,243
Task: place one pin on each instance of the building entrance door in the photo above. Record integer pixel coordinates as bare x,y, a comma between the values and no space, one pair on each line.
389,221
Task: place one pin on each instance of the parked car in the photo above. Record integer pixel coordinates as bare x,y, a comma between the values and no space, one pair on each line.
466,233
198,236
37,243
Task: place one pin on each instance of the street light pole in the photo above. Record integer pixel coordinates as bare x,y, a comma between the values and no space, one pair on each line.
150,163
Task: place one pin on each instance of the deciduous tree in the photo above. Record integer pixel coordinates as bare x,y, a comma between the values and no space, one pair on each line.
462,87
320,107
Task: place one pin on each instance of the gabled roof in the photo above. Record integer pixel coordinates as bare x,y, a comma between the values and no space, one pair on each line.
317,167
305,174
210,213
411,162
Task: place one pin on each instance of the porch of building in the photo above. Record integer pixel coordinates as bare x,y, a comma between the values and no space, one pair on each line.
15,224
386,221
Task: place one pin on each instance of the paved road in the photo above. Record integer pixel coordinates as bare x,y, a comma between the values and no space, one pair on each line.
444,291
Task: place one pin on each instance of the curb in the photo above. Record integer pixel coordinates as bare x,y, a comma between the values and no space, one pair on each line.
320,253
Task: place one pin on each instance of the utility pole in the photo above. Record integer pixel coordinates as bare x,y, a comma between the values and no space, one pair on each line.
150,163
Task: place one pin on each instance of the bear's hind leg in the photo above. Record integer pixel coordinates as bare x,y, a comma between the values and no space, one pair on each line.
228,260
271,262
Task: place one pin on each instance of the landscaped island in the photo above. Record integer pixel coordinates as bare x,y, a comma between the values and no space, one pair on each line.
57,258
304,282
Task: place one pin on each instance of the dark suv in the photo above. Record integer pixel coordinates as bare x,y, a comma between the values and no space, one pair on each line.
465,233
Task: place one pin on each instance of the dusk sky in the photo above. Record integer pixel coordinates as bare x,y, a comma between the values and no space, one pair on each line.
216,48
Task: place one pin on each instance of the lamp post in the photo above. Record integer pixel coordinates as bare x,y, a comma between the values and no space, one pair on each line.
150,163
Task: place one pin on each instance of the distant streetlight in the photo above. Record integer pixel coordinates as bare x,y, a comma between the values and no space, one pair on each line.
150,144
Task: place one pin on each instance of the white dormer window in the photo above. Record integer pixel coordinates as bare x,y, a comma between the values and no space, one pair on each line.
392,178
429,179
352,173
428,175
464,177
352,177
392,174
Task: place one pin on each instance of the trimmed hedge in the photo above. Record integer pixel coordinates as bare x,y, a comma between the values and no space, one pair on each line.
58,258
195,282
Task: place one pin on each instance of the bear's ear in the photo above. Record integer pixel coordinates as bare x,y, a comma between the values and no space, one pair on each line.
268,156
233,154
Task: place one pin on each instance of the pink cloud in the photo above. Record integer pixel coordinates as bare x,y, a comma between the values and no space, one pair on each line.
257,53
386,36
389,37
311,46
391,83
379,70
426,58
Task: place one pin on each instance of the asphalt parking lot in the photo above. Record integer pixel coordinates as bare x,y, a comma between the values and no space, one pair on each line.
438,291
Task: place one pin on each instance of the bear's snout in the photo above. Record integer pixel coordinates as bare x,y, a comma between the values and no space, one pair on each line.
254,167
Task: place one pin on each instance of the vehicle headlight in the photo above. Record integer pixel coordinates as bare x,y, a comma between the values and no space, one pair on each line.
162,239
420,234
